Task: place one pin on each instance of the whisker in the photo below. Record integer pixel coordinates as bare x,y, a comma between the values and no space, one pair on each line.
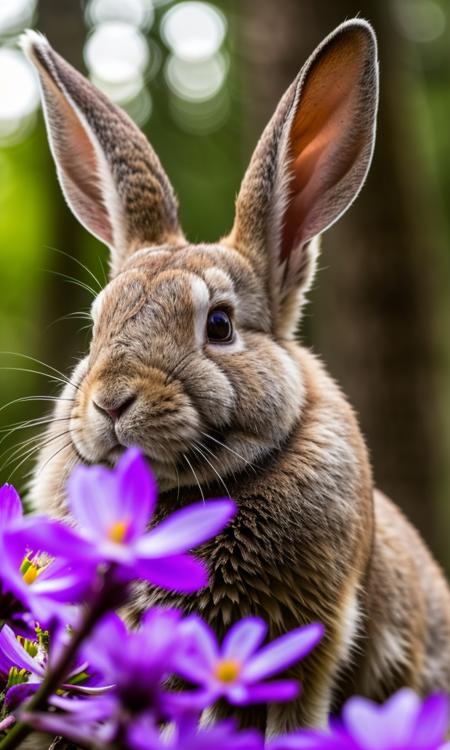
78,315
23,399
198,450
54,456
74,281
195,476
52,369
29,452
78,262
28,424
219,442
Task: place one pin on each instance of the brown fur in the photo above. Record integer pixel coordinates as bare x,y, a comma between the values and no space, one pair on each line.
259,418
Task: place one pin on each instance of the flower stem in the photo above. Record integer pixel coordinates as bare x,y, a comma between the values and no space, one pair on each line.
56,676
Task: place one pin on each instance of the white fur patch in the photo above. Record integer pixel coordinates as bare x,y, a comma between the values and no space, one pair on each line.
96,305
351,617
200,299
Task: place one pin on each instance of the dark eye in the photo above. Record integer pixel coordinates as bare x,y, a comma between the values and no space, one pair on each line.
218,327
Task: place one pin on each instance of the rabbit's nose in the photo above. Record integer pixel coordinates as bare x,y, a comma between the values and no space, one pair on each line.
114,412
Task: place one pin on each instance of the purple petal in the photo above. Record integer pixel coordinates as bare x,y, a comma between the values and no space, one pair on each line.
268,692
71,727
100,497
10,506
380,727
192,669
308,739
199,643
181,573
100,650
432,723
40,534
14,654
93,500
283,652
187,528
91,709
243,638
137,490
17,694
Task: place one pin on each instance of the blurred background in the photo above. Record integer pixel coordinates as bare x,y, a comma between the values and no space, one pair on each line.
202,79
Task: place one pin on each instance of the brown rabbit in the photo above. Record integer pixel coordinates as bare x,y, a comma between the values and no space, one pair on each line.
194,359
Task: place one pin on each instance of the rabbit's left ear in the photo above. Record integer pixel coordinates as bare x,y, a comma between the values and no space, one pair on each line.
309,165
110,176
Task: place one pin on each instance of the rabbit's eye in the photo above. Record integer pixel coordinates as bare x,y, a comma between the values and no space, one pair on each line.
218,327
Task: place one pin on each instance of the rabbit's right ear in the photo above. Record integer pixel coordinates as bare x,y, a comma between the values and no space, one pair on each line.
309,166
111,177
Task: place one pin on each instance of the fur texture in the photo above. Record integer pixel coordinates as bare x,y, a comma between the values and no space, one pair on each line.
257,418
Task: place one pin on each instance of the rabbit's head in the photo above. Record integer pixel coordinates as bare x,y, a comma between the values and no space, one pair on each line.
193,355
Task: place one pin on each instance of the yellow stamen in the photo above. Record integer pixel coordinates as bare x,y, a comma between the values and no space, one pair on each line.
118,531
32,566
227,670
31,574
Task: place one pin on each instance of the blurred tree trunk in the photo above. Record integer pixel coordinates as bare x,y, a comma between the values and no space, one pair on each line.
372,311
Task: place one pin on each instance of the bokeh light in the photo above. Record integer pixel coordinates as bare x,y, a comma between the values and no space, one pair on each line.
196,81
196,68
116,52
19,95
15,15
421,20
139,13
194,31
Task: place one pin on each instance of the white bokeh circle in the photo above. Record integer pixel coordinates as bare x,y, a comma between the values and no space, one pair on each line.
194,30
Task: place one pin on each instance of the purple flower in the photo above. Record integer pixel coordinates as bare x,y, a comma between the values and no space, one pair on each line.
30,582
41,583
186,735
113,508
235,670
144,660
136,664
404,722
22,666
24,663
85,726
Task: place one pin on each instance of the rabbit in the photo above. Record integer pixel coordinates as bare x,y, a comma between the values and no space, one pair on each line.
194,358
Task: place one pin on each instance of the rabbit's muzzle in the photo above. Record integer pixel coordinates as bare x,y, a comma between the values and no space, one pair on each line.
133,406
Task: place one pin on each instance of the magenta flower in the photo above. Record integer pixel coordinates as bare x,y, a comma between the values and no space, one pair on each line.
404,722
236,670
113,508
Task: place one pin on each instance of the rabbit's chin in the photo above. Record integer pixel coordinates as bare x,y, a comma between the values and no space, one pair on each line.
165,473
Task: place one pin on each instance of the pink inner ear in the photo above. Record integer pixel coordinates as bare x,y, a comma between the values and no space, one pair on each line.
78,166
78,169
325,141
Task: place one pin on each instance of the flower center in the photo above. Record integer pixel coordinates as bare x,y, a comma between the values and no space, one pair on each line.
31,574
227,670
118,531
31,567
